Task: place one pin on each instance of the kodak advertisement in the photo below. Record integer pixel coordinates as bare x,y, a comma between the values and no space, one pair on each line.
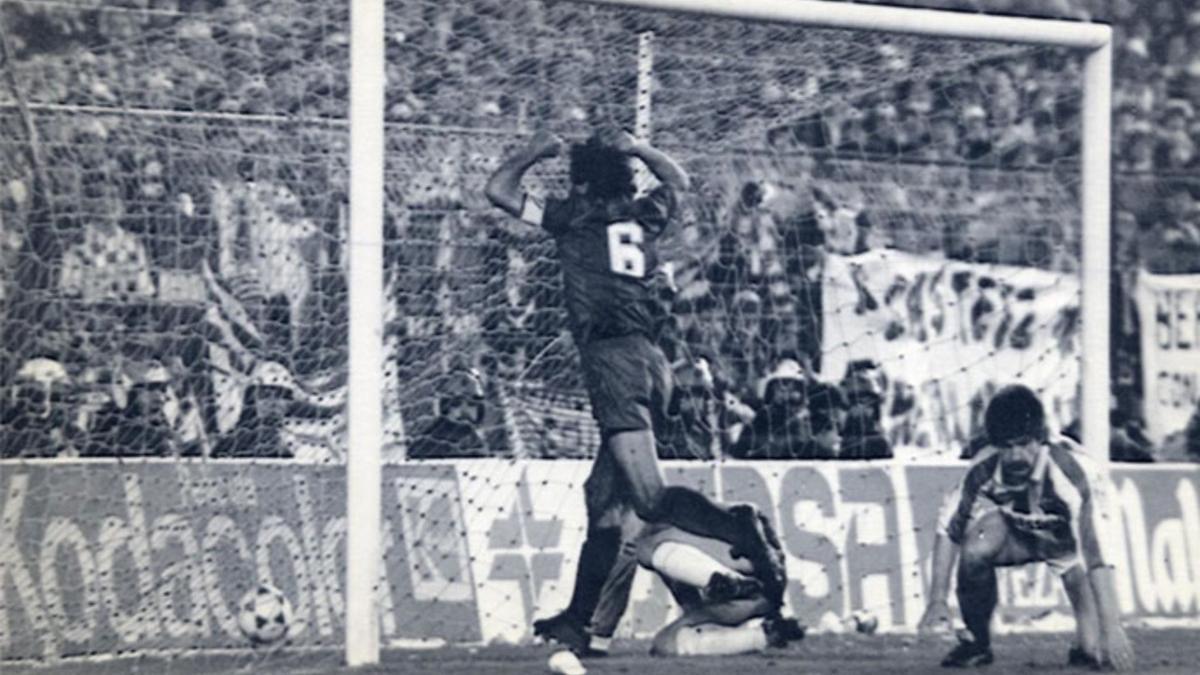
101,557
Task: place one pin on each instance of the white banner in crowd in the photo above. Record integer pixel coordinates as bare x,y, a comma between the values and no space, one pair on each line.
1169,310
947,333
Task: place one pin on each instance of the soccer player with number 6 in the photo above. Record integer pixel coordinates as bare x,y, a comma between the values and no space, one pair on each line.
605,239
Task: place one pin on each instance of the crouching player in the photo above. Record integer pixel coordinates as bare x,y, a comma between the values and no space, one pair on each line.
1028,497
725,608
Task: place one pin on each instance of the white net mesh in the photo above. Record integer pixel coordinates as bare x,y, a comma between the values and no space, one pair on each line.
808,147
182,224
175,214
901,214
173,291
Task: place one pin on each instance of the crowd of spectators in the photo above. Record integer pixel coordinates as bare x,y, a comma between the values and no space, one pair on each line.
469,65
743,323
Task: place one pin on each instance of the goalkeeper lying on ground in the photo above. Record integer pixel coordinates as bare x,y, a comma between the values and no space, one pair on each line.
725,610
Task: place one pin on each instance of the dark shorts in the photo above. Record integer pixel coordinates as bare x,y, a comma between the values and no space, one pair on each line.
628,381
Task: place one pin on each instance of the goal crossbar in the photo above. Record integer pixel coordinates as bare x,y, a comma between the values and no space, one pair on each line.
913,21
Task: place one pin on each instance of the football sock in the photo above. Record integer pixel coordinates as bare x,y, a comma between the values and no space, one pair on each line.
977,597
709,639
600,643
686,564
614,595
693,512
596,558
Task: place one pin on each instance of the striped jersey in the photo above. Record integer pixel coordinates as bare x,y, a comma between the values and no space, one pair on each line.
1065,498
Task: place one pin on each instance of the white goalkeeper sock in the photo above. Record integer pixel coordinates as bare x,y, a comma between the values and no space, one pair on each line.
686,564
710,639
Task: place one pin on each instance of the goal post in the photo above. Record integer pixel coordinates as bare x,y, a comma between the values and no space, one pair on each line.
365,404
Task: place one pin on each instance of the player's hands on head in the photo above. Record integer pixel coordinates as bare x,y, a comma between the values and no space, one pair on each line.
546,144
617,138
936,618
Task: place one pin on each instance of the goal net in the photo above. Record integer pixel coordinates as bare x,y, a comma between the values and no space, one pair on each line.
897,216
174,187
900,215
926,189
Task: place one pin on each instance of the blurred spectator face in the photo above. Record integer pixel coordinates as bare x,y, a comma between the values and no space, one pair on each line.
826,416
1191,83
920,98
1179,205
1177,50
152,184
1123,10
464,411
1043,126
786,393
1164,12
38,387
1019,69
886,114
945,132
853,132
1004,114
747,318
1176,119
32,398
1181,153
1045,99
863,414
695,389
1126,120
462,401
786,388
271,403
148,399
1003,86
975,122
826,434
864,386
1141,152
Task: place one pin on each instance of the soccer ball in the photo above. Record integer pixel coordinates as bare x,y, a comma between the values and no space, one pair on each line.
264,614
864,622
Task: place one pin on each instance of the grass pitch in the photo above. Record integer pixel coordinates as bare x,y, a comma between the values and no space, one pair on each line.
1159,651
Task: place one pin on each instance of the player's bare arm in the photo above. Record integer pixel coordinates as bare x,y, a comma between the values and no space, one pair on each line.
504,187
664,168
1115,647
937,609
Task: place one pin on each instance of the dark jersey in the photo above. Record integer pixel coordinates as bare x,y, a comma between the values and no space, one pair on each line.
608,258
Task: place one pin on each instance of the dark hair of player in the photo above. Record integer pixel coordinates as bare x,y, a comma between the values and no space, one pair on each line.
1014,412
605,171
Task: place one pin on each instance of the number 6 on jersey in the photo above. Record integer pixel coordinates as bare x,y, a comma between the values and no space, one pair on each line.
625,255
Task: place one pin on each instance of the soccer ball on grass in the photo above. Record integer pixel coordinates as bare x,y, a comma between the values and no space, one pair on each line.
264,614
863,621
